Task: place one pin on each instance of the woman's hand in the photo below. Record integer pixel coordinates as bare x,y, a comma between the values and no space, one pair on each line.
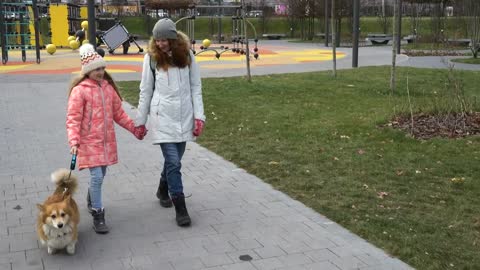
73,150
199,125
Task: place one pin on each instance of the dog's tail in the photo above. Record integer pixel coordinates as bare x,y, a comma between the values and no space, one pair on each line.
66,182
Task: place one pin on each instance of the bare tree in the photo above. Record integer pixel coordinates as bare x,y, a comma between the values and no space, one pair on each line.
396,11
334,38
472,8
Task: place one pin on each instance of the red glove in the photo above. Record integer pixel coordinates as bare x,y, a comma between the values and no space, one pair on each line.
199,124
140,132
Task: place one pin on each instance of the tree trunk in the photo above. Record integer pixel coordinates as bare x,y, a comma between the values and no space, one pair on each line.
334,39
394,46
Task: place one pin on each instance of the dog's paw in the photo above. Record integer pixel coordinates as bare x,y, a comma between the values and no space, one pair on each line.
71,249
50,250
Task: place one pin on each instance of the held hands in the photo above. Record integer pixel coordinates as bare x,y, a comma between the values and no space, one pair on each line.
199,124
140,132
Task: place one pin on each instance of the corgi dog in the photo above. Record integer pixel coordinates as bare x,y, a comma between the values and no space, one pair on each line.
59,217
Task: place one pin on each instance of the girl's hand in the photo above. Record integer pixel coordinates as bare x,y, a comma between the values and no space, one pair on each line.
73,150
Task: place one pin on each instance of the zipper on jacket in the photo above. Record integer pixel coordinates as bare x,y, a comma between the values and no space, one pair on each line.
104,122
90,118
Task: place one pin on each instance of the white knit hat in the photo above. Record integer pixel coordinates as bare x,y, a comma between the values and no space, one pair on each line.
91,60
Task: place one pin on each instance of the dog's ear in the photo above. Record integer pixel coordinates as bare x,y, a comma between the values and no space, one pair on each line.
41,207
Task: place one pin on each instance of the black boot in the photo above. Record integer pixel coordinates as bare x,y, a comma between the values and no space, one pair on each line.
162,193
99,221
89,203
182,217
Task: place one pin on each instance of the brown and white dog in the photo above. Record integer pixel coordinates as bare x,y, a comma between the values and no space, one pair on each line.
59,217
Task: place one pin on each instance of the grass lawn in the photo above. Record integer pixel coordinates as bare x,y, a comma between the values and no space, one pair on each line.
317,139
475,61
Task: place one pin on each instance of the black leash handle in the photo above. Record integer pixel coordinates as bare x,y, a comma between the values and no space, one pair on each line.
73,162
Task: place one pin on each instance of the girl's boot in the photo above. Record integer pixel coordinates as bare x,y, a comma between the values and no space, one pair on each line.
182,217
99,221
162,193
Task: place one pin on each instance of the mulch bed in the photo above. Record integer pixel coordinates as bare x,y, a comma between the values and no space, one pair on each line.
426,126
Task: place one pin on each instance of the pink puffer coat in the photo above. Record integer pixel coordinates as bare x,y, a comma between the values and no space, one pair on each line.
92,110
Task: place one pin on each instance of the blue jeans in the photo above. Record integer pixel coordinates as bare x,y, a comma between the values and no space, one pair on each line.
96,180
173,153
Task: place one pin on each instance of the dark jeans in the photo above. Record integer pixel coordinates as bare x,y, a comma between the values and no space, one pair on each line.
173,153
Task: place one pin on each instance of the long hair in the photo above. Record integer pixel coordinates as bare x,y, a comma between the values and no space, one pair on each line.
77,80
180,52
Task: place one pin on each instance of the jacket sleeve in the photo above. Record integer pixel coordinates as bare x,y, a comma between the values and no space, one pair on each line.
119,115
196,89
74,116
146,92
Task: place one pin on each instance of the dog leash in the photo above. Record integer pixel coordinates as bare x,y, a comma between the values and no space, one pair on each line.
72,164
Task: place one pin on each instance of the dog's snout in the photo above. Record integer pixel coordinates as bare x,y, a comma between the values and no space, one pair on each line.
60,225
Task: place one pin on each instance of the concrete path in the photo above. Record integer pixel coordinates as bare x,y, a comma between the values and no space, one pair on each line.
239,222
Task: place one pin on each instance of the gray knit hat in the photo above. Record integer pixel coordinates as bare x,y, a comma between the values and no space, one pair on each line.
165,29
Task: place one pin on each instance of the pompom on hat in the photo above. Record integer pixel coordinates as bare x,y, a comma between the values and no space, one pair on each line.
165,29
91,60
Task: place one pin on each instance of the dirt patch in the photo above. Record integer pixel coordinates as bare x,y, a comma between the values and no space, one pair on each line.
427,126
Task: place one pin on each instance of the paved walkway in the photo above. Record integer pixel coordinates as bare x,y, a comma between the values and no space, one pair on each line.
239,222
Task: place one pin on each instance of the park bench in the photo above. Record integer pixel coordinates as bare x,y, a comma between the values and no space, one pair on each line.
461,42
274,36
377,39
322,35
410,38
215,37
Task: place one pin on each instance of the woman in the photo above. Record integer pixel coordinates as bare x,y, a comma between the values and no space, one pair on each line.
171,97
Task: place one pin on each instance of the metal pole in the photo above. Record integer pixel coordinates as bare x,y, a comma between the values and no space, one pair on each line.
36,27
219,22
327,32
399,26
91,23
247,49
356,32
3,35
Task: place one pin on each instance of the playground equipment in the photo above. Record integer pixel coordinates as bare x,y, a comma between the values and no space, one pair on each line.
239,32
118,36
18,21
66,21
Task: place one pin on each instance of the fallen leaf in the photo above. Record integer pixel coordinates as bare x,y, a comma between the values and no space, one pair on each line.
360,152
335,158
399,172
273,163
418,171
344,137
382,194
458,180
365,186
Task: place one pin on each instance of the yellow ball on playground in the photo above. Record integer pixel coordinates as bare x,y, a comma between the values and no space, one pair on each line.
74,44
206,43
51,48
84,42
70,38
85,25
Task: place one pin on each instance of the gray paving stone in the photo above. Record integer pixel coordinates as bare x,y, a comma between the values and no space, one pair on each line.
243,216
268,264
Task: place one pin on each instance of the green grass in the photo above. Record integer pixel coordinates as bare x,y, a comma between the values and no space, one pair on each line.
206,26
475,61
317,139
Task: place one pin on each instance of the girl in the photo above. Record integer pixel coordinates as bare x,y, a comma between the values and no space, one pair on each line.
94,104
171,95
